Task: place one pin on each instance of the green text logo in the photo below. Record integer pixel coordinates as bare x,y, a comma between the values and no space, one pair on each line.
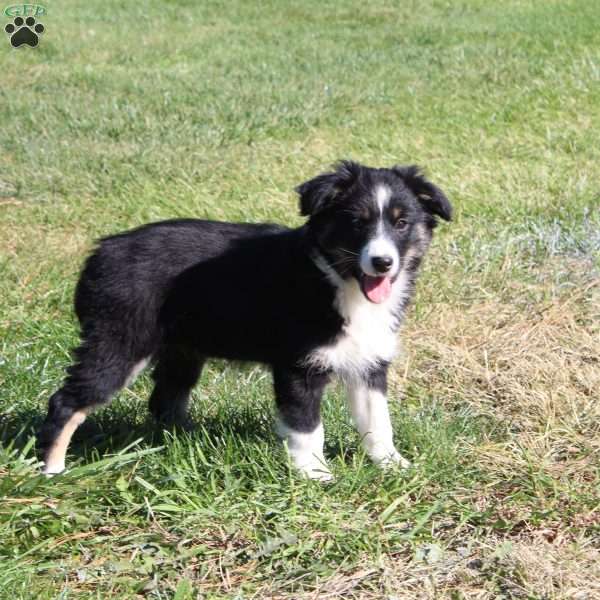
25,10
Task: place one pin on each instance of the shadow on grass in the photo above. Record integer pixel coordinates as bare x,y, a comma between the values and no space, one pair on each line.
104,432
433,431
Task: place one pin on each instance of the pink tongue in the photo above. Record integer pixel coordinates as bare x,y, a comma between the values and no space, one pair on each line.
377,289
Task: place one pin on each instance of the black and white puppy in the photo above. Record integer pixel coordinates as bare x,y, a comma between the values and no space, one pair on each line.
325,299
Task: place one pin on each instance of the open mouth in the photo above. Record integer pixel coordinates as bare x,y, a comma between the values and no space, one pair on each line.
376,289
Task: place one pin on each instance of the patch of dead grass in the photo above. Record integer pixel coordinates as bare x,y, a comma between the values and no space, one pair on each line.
530,567
534,367
530,362
523,568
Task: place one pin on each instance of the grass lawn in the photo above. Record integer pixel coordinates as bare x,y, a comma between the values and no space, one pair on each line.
139,111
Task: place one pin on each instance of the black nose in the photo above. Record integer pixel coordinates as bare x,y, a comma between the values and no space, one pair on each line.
382,264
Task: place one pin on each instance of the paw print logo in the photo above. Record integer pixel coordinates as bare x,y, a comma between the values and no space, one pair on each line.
24,31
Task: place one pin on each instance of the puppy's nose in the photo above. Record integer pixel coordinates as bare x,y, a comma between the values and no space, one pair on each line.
382,264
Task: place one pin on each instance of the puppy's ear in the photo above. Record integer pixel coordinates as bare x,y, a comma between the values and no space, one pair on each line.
317,193
432,199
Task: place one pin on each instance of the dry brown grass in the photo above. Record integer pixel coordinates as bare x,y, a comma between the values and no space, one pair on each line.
527,567
533,367
523,568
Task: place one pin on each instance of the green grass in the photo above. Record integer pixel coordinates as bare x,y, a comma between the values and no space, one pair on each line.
130,112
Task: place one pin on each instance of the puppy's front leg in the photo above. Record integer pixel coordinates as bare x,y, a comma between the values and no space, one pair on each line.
298,394
369,408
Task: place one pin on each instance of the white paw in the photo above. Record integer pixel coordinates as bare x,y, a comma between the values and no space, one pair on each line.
315,469
53,469
389,458
305,450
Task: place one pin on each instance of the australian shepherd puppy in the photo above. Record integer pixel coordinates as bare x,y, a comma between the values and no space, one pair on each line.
323,300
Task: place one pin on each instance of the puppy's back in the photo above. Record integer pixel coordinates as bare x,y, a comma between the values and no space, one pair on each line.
129,274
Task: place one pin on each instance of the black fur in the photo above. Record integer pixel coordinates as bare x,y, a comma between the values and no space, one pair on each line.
179,292
430,196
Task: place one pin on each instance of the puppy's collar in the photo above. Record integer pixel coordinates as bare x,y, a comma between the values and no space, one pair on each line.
323,266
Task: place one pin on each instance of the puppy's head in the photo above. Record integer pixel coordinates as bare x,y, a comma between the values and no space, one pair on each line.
372,224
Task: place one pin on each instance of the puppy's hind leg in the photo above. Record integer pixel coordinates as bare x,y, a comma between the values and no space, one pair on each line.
176,372
90,382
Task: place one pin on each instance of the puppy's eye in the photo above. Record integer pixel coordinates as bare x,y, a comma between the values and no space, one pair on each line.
401,224
361,218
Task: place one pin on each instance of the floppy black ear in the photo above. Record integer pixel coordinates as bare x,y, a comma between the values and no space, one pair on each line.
317,193
430,196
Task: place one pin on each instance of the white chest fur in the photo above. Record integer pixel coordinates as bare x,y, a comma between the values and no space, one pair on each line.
369,335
